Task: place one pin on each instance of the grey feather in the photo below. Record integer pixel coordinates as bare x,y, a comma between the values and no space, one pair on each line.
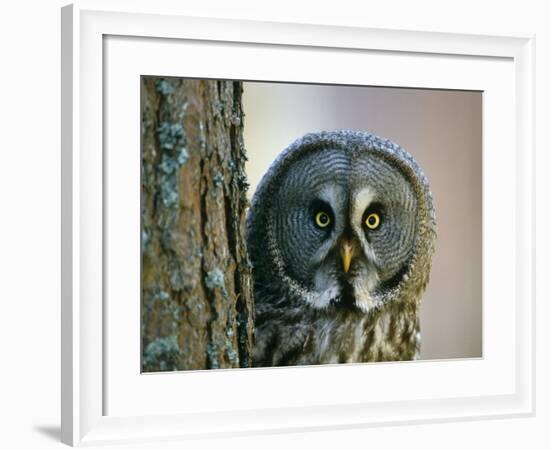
308,309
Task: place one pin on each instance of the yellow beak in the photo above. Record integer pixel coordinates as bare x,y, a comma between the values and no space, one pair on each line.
346,252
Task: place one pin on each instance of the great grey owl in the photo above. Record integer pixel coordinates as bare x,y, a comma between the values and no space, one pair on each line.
341,232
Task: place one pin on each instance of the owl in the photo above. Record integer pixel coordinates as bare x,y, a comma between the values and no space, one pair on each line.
341,232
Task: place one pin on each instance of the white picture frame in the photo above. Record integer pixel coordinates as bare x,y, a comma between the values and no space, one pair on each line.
90,380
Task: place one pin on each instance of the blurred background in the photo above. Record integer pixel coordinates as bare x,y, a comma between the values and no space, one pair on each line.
442,130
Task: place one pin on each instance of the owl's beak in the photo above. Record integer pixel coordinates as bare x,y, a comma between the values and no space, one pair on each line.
346,252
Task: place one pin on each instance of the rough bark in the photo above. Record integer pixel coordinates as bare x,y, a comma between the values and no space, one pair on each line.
197,306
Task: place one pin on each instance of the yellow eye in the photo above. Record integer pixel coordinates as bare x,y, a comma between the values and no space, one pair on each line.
322,219
372,221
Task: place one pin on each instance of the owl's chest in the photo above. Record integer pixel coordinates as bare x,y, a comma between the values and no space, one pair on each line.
337,336
380,337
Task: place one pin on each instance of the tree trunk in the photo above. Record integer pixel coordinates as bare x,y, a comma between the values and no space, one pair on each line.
197,306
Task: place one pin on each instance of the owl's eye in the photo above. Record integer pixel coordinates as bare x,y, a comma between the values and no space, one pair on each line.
322,219
372,221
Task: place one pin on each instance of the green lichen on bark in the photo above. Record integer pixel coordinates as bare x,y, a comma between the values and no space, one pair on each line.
161,354
197,308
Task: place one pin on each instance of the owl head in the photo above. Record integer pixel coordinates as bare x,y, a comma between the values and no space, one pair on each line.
342,219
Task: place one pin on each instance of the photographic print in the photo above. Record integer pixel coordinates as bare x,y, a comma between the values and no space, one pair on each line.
288,224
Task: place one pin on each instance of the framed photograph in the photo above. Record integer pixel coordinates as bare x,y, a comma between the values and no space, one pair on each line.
268,227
